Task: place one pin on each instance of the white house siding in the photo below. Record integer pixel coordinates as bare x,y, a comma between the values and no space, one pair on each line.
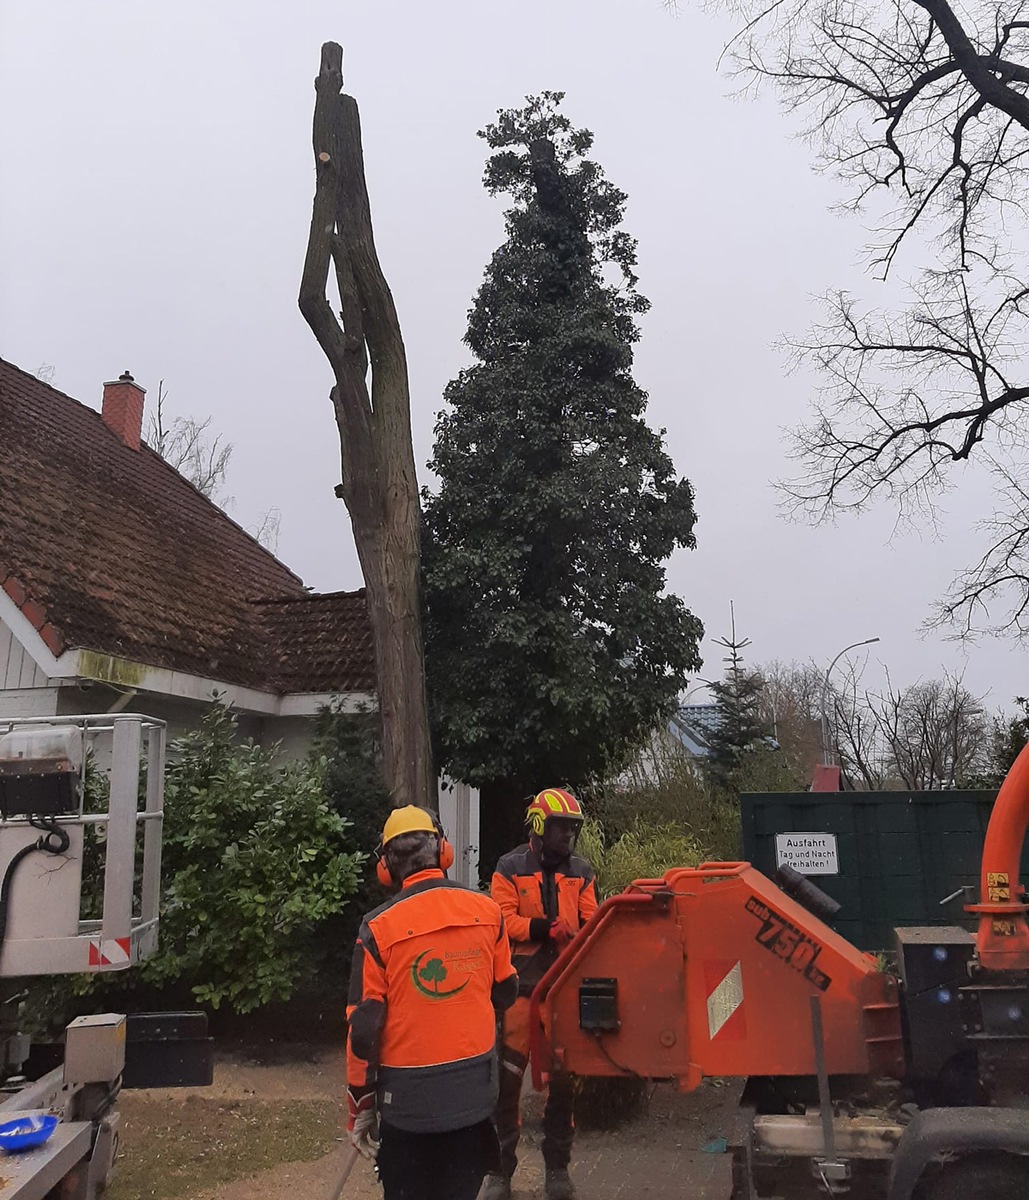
181,716
290,736
459,812
24,690
28,702
18,669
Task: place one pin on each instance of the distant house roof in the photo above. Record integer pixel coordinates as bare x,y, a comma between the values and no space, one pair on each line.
692,725
107,548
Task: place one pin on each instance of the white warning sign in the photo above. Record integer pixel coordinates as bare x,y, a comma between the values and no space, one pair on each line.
808,853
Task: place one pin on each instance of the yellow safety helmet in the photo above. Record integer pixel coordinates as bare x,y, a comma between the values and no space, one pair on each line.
409,819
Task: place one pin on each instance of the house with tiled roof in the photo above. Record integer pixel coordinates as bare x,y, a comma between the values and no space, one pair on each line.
122,587
691,726
683,739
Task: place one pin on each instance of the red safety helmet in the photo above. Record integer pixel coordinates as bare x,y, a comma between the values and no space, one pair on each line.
552,802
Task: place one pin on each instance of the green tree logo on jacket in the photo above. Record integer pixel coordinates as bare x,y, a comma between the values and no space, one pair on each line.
434,973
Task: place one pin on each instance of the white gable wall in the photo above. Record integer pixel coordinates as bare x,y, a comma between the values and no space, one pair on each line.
28,702
25,690
17,668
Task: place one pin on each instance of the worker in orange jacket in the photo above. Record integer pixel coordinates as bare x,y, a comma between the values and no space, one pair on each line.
546,893
431,972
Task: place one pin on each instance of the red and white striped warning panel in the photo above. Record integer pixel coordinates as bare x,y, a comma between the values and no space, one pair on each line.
109,952
724,999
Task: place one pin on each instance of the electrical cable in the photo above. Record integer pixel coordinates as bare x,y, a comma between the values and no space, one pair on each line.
55,841
599,1035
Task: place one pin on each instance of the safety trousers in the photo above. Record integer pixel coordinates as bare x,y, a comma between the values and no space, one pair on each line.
558,1122
435,1166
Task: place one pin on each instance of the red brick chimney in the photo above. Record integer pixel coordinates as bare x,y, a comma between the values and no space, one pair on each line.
123,409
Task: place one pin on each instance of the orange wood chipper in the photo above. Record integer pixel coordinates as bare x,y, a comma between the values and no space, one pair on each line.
910,1083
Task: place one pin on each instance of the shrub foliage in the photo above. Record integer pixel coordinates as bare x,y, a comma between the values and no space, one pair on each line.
254,859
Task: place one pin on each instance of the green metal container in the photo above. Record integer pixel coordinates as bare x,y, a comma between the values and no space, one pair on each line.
897,854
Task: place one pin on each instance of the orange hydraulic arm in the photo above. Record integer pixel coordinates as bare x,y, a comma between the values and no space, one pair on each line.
711,971
1003,938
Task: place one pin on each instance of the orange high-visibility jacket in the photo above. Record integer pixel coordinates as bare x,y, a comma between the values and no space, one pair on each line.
431,968
532,899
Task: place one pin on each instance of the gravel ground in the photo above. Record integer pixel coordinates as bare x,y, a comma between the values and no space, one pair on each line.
245,1117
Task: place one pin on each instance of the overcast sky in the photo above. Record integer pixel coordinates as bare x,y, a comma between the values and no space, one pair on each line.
156,193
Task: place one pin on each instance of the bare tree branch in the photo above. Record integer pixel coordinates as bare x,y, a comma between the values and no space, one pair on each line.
921,109
266,531
929,735
187,446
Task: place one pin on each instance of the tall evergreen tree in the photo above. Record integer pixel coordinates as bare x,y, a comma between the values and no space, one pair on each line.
552,647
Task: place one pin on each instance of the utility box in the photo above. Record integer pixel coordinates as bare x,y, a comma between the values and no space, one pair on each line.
932,961
40,771
94,1049
170,1049
893,856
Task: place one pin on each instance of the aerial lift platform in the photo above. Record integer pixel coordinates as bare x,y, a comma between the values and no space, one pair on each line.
81,810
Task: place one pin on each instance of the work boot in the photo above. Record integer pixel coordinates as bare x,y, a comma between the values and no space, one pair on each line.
498,1187
558,1184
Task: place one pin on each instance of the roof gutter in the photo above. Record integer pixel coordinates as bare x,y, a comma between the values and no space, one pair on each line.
79,664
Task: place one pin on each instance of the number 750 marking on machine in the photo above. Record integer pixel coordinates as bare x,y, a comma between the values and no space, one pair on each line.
788,943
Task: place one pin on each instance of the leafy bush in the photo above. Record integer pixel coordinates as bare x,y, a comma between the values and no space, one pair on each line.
669,790
254,859
259,869
349,742
764,769
642,852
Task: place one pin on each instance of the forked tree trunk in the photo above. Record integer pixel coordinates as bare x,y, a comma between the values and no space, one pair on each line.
379,485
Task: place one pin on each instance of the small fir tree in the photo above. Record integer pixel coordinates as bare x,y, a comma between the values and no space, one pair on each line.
552,646
739,731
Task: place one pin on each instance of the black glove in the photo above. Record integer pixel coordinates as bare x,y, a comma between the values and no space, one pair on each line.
539,929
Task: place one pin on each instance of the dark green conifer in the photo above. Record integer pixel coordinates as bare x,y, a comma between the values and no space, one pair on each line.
552,646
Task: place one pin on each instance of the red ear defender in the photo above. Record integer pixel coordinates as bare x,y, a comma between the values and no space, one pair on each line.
446,852
446,856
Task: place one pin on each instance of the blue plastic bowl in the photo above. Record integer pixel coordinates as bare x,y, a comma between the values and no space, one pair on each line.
26,1132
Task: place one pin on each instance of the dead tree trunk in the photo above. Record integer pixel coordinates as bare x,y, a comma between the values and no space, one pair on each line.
378,485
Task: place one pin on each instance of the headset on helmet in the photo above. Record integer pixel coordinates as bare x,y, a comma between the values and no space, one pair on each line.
552,802
411,819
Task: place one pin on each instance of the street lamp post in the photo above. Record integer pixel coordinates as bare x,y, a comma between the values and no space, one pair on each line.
826,753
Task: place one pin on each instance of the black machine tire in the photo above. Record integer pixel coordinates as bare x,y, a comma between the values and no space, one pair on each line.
997,1176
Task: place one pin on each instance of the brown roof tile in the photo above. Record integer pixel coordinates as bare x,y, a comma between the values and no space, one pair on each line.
322,643
110,549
